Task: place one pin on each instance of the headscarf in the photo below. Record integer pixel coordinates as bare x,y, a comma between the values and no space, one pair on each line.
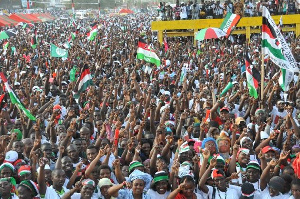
243,139
137,174
32,186
12,181
8,165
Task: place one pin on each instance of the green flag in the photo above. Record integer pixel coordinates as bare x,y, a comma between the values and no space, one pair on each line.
73,74
227,88
58,52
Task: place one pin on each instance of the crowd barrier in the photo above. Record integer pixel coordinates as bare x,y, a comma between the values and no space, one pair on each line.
247,26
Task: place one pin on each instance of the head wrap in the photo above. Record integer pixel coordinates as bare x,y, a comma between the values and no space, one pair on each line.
217,173
104,182
247,190
243,139
19,161
32,186
184,147
12,181
160,176
24,169
254,165
207,140
134,165
11,156
19,134
8,165
277,183
137,174
88,181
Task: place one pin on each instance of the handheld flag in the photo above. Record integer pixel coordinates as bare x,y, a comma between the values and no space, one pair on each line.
34,40
145,52
93,33
274,44
14,99
253,77
229,23
227,88
85,81
285,79
58,52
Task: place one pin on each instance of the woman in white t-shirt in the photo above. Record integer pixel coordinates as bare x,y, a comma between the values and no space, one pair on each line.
220,190
160,187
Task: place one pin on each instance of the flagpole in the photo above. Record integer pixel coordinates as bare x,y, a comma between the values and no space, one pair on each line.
99,7
73,9
262,78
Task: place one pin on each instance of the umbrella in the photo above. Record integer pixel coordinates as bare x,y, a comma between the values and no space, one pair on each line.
210,33
6,34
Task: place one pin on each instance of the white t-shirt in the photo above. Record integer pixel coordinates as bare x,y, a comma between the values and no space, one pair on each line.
110,160
230,193
276,115
155,194
52,194
78,196
265,194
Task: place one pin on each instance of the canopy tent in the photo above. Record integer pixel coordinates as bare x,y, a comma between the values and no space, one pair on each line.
27,17
48,15
43,17
8,20
19,18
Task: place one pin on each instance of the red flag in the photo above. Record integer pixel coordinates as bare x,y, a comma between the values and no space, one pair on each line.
166,45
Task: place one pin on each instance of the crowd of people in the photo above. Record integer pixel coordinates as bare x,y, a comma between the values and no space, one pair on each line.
216,9
143,131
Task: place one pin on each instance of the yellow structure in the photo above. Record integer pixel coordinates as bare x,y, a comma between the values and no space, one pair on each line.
247,26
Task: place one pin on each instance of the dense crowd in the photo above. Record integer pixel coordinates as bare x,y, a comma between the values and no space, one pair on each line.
142,131
219,9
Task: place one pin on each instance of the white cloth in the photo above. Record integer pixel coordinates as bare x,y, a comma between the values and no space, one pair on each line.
52,194
230,193
265,194
155,194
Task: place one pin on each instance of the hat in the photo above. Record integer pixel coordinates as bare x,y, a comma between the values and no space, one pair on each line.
88,181
253,164
32,186
224,109
238,120
247,190
258,111
134,165
160,176
242,150
207,140
11,156
104,182
18,161
36,88
277,183
57,106
217,173
220,159
185,170
266,149
24,169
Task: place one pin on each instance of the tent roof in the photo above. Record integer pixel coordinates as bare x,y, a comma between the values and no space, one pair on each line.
19,18
8,20
4,23
31,16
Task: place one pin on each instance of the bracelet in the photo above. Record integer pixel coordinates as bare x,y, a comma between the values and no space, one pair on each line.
124,184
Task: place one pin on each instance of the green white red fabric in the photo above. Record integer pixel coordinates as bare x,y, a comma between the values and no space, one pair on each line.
285,79
14,99
85,81
229,23
253,77
93,33
210,33
273,44
58,52
146,53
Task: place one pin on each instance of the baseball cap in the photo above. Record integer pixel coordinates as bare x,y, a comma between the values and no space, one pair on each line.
224,109
267,149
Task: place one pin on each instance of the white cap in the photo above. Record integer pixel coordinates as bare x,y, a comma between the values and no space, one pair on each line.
47,167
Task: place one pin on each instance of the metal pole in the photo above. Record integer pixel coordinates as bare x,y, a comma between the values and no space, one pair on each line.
28,6
99,8
73,9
